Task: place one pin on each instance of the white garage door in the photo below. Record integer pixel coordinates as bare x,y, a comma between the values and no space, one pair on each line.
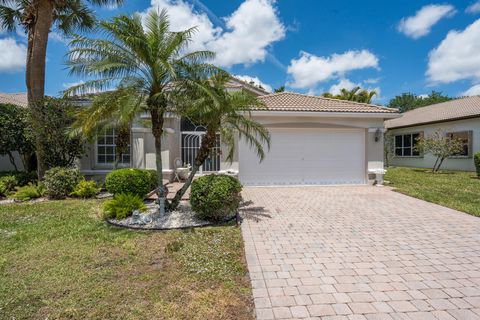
307,157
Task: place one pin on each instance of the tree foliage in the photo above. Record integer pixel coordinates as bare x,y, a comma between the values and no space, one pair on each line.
53,121
15,134
441,146
409,101
356,94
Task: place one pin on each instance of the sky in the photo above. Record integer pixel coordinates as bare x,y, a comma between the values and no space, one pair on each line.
310,46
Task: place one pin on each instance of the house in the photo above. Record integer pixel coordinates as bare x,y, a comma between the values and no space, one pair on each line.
315,141
18,99
458,118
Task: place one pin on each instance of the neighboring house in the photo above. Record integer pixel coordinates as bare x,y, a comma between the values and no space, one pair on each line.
315,141
18,99
458,118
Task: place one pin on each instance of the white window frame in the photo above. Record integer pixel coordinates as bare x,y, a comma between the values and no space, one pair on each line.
111,164
420,155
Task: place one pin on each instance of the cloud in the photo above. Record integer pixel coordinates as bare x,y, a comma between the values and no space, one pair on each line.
12,55
473,91
457,57
246,37
473,8
424,19
256,81
309,70
343,84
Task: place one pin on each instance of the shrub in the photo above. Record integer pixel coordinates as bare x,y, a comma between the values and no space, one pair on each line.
60,181
3,190
9,182
476,159
153,179
215,197
23,177
123,205
85,189
132,181
29,192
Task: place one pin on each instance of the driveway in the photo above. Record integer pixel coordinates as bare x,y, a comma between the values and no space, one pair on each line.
359,253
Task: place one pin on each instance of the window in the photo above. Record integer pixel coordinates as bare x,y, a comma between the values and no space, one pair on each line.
405,145
106,152
466,138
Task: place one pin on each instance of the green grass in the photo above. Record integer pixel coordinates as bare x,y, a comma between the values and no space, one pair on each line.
454,189
59,260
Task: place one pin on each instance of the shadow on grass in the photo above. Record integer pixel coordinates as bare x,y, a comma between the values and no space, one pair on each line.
251,212
429,171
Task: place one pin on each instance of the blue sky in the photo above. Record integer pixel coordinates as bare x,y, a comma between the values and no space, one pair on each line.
310,46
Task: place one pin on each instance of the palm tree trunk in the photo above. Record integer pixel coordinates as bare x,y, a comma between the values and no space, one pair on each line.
38,31
157,131
208,142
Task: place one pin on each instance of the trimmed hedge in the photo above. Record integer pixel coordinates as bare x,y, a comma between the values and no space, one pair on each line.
476,159
131,181
215,197
61,181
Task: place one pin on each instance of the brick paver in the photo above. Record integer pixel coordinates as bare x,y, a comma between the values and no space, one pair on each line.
359,253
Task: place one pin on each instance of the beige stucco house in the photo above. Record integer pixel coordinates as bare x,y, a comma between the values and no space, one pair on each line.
314,141
458,118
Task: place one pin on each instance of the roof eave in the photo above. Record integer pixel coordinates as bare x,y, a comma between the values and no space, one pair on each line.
329,114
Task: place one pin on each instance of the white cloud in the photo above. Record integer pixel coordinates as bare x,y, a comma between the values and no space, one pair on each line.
249,33
424,19
12,55
343,84
256,81
473,91
473,8
457,57
308,70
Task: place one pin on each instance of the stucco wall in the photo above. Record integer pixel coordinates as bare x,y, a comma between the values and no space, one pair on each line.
427,161
6,165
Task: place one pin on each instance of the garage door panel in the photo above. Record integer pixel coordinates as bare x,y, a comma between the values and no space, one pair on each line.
308,156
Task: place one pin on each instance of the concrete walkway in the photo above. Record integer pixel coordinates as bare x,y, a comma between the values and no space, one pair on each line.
359,253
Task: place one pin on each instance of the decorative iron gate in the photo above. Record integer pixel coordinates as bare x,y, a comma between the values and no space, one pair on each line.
191,142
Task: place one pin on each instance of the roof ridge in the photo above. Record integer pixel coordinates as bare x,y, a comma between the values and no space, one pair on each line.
435,105
332,99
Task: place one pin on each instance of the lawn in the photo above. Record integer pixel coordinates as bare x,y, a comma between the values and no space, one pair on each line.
59,260
453,189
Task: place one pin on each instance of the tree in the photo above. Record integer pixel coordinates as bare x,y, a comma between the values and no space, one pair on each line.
61,149
141,54
15,135
37,18
441,146
409,101
279,89
226,113
355,94
113,109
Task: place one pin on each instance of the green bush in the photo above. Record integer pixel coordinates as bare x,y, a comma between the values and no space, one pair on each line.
3,191
85,189
132,181
476,159
60,181
123,206
153,179
23,177
215,197
28,192
9,182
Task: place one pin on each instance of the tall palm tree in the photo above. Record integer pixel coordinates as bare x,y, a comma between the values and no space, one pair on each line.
37,18
143,55
225,113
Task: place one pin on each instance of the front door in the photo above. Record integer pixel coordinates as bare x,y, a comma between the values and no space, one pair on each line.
191,142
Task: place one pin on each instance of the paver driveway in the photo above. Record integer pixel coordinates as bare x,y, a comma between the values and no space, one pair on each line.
359,253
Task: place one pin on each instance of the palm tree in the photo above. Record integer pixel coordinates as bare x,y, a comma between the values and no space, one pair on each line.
225,113
115,109
141,54
37,18
365,96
